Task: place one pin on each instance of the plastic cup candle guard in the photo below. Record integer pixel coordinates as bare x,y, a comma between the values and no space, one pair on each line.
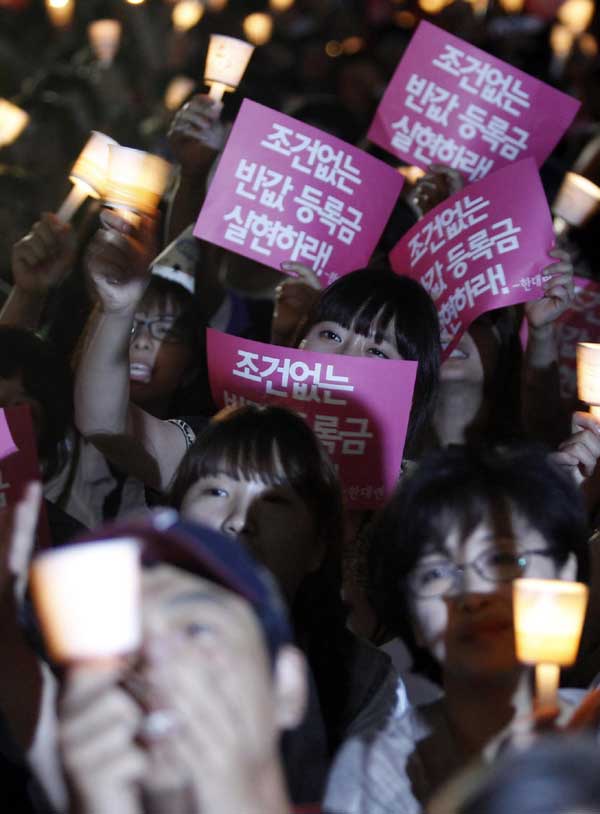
135,181
87,598
577,200
88,175
548,619
588,375
13,121
226,62
104,37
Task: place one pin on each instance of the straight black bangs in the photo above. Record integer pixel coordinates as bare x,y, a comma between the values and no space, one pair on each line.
369,300
270,444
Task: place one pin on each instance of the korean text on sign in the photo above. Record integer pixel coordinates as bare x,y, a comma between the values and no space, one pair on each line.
358,408
451,103
292,192
484,248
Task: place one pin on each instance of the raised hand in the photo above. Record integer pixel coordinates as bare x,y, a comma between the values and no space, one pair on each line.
118,261
294,300
196,135
558,293
42,258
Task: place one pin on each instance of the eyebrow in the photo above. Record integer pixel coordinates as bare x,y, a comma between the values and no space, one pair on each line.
194,596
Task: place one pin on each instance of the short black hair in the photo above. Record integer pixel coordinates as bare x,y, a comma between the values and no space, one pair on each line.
366,295
262,441
458,487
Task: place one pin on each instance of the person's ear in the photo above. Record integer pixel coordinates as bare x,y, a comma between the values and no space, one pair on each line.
569,569
291,687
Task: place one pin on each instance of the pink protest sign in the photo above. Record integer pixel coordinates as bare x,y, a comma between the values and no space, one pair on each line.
483,248
21,467
451,103
581,323
7,445
357,407
286,191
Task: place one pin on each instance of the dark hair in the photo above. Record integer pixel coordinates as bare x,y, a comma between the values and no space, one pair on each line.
358,299
192,396
555,775
266,440
46,377
459,486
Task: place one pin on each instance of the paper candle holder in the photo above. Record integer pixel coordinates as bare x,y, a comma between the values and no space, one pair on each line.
135,181
226,62
87,598
88,174
104,37
588,375
576,201
13,120
548,620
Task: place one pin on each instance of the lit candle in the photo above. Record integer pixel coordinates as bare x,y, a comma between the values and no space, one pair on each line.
87,598
88,175
226,62
576,201
178,90
411,173
548,620
280,5
13,121
433,6
258,27
60,12
186,14
135,180
576,14
512,6
104,37
588,375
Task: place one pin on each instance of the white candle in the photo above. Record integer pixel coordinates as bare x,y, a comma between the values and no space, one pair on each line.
87,598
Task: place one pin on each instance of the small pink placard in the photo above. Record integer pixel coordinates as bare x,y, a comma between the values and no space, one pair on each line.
286,191
21,466
357,407
7,445
451,103
581,323
483,248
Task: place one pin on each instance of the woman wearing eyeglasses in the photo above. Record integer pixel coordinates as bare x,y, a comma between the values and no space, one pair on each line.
443,558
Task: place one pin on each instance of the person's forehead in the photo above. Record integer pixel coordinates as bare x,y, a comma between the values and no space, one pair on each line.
158,306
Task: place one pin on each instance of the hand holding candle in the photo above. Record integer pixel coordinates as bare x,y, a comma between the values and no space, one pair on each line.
548,620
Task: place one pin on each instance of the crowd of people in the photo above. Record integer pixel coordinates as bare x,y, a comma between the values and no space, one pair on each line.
296,656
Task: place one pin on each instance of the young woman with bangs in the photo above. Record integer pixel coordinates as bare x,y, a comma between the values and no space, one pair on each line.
384,315
259,474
